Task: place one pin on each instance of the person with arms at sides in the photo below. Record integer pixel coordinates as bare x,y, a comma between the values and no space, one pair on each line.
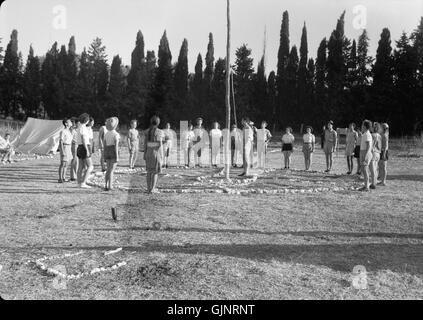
85,164
199,132
264,136
168,136
376,150
65,148
188,144
366,153
330,145
357,152
133,144
384,157
101,134
352,138
90,127
309,142
236,140
74,147
153,155
111,150
287,147
248,133
216,137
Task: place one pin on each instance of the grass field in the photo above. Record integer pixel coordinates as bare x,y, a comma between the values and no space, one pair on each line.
211,245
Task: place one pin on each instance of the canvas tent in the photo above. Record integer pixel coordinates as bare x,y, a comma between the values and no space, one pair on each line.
38,136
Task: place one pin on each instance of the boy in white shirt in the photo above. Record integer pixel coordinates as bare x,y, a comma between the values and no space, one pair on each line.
366,153
84,152
216,140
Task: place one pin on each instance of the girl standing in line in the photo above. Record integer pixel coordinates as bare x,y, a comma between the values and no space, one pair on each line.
384,157
216,141
366,153
376,150
85,164
74,147
309,141
288,146
352,138
65,147
168,136
188,139
153,155
111,150
357,152
330,145
133,143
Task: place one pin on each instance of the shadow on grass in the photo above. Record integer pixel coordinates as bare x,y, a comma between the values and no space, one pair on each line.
414,177
339,257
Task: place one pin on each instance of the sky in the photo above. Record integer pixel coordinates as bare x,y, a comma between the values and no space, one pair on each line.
42,22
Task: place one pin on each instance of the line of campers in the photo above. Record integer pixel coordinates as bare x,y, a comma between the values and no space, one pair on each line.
202,143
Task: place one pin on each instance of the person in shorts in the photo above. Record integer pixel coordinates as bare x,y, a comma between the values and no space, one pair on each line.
377,149
384,156
133,143
357,152
111,150
287,147
85,164
366,153
65,148
309,142
351,145
330,145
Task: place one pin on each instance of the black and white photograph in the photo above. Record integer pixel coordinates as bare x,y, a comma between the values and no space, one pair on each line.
225,151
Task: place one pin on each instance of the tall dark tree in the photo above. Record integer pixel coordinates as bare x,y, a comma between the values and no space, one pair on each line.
417,38
97,57
336,70
116,92
181,75
302,74
405,66
1,52
291,114
197,87
321,83
10,79
163,87
272,96
383,80
283,55
218,91
32,85
208,71
244,71
310,93
260,95
364,61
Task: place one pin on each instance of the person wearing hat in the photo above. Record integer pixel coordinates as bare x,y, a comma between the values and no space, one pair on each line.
330,145
198,132
309,141
111,150
384,157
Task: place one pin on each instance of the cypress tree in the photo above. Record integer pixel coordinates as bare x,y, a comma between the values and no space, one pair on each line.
197,87
283,55
272,94
244,72
116,91
218,90
291,114
321,82
163,87
302,74
181,74
32,85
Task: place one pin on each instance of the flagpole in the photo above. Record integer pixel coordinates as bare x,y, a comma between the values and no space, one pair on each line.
228,91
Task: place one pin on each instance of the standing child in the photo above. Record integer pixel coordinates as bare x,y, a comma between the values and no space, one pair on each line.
65,147
366,153
357,152
168,136
111,150
74,147
377,149
236,141
352,140
154,154
101,134
247,146
309,141
133,143
90,127
267,136
287,146
85,164
330,145
216,141
188,140
384,157
199,132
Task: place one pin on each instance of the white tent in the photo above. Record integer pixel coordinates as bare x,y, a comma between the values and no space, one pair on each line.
38,136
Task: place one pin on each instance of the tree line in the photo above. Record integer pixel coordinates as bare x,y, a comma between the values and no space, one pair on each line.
343,83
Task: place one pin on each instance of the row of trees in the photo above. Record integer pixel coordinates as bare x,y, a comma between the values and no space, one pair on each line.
342,83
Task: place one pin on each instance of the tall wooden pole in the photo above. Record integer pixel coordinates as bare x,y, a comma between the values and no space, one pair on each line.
228,93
